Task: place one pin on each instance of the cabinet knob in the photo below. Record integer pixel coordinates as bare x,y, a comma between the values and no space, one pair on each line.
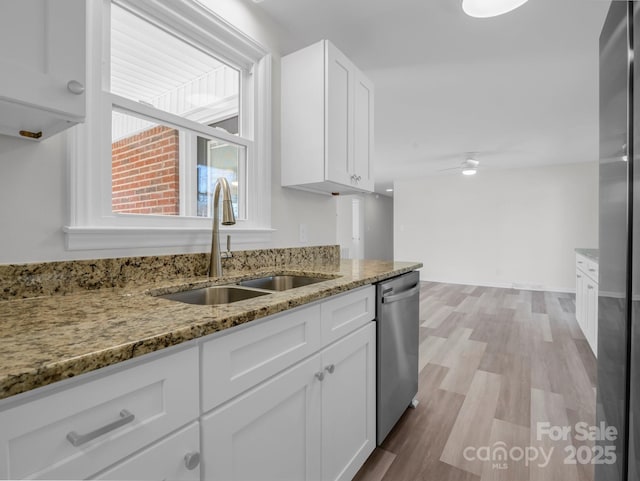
192,460
75,87
330,368
589,287
320,376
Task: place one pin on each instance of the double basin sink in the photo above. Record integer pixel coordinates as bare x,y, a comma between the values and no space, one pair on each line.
217,295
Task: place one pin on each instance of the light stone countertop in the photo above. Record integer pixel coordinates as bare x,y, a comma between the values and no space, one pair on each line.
592,254
50,338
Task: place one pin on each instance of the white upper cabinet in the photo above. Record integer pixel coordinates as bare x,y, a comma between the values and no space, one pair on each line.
363,132
327,122
42,60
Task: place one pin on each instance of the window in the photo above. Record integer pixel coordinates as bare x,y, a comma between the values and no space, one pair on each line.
177,100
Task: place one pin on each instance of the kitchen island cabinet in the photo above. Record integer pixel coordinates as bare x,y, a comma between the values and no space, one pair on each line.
587,296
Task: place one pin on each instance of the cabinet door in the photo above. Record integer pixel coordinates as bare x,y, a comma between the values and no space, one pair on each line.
580,299
42,49
591,307
174,458
338,116
348,404
363,133
271,433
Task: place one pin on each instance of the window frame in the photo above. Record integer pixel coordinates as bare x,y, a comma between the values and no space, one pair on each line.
92,224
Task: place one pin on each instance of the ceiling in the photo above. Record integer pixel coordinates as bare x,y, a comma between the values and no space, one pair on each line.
516,90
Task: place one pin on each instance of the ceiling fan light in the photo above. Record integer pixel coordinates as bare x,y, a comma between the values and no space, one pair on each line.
490,8
469,171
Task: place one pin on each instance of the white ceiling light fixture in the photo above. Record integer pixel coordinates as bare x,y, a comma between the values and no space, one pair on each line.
389,190
490,8
470,167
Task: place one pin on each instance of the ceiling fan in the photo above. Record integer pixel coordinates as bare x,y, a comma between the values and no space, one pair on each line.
468,167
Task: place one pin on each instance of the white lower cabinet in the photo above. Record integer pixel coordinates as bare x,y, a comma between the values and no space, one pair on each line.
291,397
348,404
587,299
79,431
176,457
591,314
314,421
271,433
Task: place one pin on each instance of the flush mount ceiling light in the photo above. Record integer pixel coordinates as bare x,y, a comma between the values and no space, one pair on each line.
490,8
470,167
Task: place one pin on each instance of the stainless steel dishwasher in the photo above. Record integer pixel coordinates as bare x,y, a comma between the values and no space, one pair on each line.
397,319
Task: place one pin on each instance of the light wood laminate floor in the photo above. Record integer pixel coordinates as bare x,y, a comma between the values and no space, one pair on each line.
493,364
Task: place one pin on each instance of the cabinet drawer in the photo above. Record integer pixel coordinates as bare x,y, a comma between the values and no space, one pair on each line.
165,460
344,314
106,418
592,270
233,363
588,266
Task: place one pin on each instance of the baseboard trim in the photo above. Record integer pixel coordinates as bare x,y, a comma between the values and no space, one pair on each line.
505,285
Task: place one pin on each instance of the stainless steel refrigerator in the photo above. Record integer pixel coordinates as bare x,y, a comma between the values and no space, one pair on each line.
618,400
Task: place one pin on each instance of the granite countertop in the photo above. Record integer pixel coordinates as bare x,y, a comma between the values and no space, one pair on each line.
592,254
51,338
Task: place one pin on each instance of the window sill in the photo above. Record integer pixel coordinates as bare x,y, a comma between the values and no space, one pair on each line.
96,238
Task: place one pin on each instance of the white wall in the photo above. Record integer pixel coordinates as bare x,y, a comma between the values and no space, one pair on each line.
515,227
34,185
344,225
289,207
378,227
375,228
350,226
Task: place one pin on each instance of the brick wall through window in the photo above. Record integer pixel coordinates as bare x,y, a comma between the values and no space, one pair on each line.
145,169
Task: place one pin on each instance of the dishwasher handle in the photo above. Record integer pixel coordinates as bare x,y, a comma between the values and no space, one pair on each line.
403,295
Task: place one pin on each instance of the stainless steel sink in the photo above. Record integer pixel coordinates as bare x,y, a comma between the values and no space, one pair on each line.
216,295
281,283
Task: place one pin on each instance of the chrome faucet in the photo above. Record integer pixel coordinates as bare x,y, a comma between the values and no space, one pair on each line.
228,218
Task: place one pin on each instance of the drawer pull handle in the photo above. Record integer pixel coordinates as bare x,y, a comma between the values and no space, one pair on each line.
192,460
330,368
592,270
79,439
320,376
589,287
